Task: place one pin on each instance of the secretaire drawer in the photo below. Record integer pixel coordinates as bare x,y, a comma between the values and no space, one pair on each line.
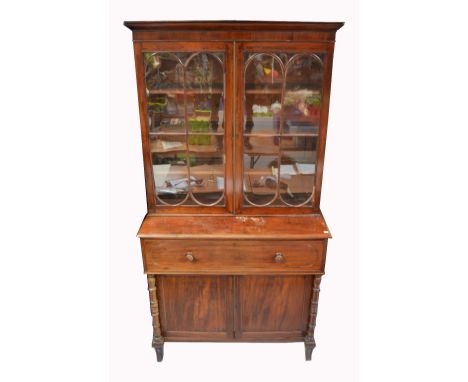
233,257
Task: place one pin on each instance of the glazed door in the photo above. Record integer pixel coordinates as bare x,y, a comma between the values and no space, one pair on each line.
186,116
281,115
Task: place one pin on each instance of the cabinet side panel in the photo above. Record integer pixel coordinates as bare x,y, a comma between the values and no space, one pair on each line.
149,184
323,124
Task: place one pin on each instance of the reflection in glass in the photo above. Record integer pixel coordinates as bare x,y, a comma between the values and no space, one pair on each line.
207,169
185,100
165,96
263,83
260,179
205,87
170,168
260,145
297,169
302,97
281,124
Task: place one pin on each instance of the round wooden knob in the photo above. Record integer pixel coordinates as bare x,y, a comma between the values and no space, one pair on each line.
279,257
189,256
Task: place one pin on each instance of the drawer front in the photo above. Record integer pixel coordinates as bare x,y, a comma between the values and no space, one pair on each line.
233,257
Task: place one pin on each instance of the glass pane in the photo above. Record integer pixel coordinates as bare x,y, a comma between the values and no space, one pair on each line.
260,179
297,170
185,100
165,91
205,88
168,143
207,168
262,145
302,98
281,124
170,168
263,83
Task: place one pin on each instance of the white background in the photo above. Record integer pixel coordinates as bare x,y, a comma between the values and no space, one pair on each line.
73,296
131,330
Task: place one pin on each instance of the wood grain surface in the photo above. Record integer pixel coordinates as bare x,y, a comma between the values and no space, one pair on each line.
233,256
302,227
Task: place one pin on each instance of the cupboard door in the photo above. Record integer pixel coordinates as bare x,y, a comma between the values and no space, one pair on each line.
273,307
196,307
185,112
281,122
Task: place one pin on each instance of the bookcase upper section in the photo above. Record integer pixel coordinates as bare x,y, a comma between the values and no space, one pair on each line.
233,114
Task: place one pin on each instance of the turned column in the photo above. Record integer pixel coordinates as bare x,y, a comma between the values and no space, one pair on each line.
309,340
158,339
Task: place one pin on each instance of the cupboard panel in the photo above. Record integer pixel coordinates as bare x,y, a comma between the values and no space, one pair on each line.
196,306
273,307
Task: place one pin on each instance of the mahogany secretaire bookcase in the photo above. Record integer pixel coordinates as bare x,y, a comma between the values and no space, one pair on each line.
233,121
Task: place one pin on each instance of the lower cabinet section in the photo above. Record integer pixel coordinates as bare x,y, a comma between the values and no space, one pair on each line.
234,308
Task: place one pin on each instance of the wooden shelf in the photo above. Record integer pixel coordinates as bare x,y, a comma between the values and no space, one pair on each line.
175,130
164,131
263,91
170,116
266,134
187,91
258,147
278,90
157,148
